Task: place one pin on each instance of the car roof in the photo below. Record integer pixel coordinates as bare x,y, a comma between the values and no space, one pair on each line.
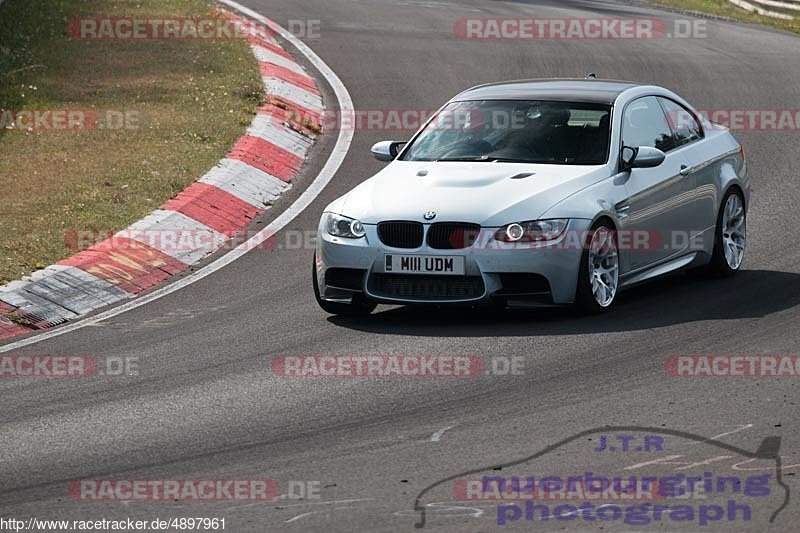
567,90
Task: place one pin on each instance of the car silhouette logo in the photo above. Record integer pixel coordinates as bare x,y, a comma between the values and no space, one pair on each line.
429,215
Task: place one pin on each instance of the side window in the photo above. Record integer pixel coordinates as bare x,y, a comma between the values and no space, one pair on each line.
644,124
682,122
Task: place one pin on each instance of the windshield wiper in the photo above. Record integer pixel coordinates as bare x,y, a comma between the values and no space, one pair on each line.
495,159
481,159
510,160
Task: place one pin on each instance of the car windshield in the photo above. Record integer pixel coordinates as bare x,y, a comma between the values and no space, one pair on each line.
558,133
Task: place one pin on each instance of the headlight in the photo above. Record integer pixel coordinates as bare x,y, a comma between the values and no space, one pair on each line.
340,226
535,230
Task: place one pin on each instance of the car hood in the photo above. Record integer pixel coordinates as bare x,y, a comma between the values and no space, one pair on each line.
489,194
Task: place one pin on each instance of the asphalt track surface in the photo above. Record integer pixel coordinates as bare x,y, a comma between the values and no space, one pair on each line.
206,405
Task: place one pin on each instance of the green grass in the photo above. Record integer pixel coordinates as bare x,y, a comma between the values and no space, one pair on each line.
724,8
191,99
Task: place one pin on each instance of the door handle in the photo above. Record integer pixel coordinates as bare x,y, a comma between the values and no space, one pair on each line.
685,171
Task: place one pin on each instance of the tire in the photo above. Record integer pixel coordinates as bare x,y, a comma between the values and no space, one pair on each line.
593,298
730,235
359,306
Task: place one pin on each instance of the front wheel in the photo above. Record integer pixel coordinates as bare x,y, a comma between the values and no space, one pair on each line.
730,236
358,307
598,277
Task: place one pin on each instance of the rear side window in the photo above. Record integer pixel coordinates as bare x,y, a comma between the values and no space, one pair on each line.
644,124
683,123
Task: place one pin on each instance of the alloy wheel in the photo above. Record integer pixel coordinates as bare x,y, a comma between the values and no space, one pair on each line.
603,266
734,231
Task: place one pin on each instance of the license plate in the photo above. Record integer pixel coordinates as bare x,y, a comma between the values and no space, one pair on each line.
448,265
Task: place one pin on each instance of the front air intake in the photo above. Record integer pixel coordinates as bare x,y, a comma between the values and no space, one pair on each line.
452,235
401,234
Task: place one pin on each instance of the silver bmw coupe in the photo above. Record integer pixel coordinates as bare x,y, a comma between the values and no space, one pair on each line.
537,193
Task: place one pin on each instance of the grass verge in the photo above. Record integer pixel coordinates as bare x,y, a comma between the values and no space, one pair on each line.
724,8
168,111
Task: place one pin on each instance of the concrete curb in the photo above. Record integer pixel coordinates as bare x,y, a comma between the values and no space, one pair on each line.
200,220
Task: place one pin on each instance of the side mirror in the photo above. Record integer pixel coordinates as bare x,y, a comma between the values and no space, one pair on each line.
641,157
387,150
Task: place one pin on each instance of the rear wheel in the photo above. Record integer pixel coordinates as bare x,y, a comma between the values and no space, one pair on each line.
358,307
598,277
730,236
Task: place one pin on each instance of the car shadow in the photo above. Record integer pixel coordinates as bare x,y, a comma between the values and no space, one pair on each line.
676,299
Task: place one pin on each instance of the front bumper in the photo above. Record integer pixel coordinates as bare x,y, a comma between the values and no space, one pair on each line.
522,276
